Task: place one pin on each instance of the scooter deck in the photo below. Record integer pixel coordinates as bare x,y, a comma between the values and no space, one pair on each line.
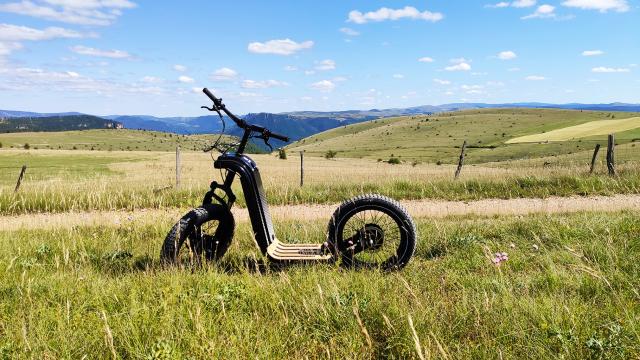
298,252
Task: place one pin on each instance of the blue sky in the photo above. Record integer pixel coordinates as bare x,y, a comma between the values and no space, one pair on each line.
153,57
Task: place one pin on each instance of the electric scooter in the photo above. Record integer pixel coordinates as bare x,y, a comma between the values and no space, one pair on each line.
371,231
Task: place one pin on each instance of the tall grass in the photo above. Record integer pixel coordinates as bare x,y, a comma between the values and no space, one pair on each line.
569,289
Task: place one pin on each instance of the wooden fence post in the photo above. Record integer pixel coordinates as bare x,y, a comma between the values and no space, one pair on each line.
301,168
461,160
611,164
24,168
593,159
178,167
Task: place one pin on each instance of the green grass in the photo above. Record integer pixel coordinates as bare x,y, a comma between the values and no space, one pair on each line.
105,140
71,293
589,129
437,138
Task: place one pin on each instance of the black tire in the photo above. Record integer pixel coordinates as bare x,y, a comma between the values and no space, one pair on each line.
201,245
400,251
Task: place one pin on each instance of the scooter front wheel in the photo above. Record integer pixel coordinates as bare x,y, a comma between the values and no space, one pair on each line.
372,231
204,232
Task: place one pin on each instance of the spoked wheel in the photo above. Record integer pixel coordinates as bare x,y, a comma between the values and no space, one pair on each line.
204,233
372,231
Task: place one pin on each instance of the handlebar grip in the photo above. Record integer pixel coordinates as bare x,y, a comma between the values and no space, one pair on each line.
211,96
279,137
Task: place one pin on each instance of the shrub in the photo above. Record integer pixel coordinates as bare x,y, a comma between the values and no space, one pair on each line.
0,145
282,154
330,154
27,146
394,161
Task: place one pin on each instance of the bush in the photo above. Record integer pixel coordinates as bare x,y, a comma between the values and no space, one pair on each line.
0,145
330,154
394,161
27,146
282,154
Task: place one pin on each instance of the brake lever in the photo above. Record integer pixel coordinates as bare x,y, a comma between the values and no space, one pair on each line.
266,141
213,108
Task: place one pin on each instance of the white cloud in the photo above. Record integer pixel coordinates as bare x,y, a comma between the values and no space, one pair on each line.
349,31
326,65
398,76
442,82
507,55
279,47
186,80
426,59
309,72
323,86
592,52
602,69
513,69
516,4
224,74
20,33
460,64
82,12
523,3
543,11
253,84
384,13
112,54
179,68
7,48
535,78
600,5
152,79
291,68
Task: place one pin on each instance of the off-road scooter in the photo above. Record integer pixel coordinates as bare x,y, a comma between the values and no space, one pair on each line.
369,231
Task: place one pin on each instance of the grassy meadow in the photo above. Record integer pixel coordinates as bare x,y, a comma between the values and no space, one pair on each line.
570,287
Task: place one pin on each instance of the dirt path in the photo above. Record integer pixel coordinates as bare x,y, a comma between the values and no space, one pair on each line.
417,208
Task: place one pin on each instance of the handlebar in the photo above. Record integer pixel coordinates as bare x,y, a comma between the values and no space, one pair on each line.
218,105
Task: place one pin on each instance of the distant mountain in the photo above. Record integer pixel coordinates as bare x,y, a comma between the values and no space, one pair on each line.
56,123
300,124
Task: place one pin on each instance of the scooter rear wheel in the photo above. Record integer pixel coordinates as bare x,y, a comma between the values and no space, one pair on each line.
205,233
372,231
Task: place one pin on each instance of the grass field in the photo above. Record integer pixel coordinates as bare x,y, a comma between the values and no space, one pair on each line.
592,128
437,138
106,140
569,289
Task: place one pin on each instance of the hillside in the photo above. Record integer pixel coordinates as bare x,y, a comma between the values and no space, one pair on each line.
56,123
438,138
112,139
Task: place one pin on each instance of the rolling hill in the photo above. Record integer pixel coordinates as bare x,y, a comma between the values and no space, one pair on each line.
111,140
437,138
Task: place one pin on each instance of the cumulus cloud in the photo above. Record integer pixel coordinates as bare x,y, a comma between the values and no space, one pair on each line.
291,68
326,65
603,69
426,59
324,86
82,12
592,52
507,55
384,14
279,47
442,82
179,68
253,84
459,64
543,11
535,78
23,33
600,5
89,51
186,80
224,74
349,31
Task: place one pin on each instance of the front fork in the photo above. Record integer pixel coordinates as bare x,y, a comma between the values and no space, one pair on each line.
211,194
